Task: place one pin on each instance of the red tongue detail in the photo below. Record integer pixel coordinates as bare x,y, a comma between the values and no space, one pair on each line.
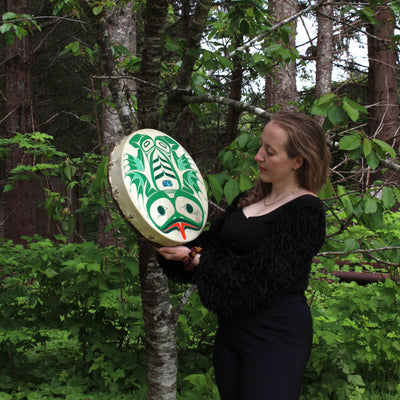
181,226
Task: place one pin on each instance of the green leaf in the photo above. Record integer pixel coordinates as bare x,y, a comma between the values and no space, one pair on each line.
370,206
322,104
243,140
350,245
367,147
9,37
50,273
350,142
244,27
353,109
372,160
385,147
245,183
9,16
97,10
355,380
216,188
231,190
388,197
8,187
336,115
5,28
347,204
325,98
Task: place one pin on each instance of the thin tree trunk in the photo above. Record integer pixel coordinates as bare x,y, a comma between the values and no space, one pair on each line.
121,30
154,15
160,327
235,94
280,84
175,105
323,75
383,120
22,213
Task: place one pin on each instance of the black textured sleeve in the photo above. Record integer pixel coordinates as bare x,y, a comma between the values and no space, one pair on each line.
237,285
175,269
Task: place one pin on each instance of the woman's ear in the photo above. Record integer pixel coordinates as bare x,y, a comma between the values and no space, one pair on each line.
298,162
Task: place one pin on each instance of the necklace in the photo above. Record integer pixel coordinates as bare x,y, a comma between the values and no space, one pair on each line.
284,197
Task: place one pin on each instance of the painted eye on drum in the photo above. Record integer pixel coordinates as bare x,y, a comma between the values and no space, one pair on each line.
161,210
162,145
189,209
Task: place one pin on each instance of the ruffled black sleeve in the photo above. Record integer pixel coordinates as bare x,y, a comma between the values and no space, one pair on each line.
238,284
175,269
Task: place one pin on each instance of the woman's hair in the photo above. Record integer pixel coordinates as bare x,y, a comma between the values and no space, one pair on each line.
307,140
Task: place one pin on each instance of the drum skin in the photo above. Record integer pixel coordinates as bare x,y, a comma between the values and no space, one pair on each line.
158,187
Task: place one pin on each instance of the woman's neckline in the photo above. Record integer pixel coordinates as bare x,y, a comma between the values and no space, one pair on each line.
279,207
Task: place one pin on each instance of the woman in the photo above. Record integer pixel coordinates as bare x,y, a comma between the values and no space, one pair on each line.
252,266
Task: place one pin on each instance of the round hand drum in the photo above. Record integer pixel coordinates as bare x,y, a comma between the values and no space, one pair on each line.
158,187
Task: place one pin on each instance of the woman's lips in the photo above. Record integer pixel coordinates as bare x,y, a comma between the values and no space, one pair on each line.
261,169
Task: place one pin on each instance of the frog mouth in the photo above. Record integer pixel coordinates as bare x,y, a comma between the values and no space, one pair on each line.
180,225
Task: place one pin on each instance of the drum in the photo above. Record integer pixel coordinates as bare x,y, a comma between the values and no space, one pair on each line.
158,187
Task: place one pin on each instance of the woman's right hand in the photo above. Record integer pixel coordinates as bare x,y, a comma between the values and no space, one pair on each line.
174,253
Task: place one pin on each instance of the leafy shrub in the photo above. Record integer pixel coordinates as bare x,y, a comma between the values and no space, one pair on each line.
76,309
356,351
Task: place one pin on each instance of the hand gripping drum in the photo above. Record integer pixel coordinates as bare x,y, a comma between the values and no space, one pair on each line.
158,187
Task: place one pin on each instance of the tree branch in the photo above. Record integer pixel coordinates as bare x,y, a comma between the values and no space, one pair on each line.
238,105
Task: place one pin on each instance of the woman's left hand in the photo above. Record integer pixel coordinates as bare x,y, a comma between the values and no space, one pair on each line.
175,253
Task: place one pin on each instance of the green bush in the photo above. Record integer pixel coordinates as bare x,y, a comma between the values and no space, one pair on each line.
71,327
356,350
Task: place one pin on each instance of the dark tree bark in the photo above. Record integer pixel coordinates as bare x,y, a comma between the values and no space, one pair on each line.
121,29
280,84
382,83
235,94
22,213
324,56
383,120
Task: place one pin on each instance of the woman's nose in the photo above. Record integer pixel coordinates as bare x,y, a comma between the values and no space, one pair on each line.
258,156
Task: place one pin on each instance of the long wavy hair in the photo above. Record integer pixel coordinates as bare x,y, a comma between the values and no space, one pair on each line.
305,139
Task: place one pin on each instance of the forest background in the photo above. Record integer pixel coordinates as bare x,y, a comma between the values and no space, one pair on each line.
85,312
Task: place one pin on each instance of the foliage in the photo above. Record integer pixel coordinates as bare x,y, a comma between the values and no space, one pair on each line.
71,327
356,347
18,25
77,309
84,176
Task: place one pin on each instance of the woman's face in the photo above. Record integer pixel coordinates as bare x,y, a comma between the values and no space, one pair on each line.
273,161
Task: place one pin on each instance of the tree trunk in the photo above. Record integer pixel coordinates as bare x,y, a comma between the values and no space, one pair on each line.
160,327
121,29
382,86
22,213
154,17
280,84
323,75
235,94
175,104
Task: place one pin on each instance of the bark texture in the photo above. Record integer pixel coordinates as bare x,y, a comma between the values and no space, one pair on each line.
235,86
382,83
23,216
154,15
324,56
160,327
382,86
175,105
280,84
121,30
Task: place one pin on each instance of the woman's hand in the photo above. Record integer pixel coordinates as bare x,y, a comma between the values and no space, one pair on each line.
175,253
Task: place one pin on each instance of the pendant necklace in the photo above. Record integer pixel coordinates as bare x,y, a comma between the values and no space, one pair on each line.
284,197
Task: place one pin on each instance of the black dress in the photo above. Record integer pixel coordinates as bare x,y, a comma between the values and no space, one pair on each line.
253,273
